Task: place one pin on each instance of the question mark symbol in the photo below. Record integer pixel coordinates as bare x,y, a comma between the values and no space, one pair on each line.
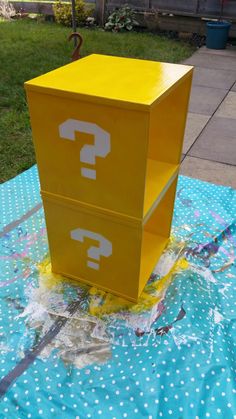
104,248
88,153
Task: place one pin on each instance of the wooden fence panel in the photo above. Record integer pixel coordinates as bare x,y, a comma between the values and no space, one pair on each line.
135,4
44,8
212,8
189,6
33,7
205,8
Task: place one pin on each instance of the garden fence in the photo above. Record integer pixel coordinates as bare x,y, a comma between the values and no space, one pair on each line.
179,15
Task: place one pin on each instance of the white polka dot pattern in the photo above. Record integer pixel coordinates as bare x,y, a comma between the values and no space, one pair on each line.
184,368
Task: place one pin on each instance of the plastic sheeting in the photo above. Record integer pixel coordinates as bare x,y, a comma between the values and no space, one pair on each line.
72,351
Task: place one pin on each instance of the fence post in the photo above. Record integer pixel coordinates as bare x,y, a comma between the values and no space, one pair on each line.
202,7
197,7
100,11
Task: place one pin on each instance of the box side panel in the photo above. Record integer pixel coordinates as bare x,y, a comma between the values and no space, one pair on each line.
93,249
91,153
167,124
159,176
156,232
161,219
152,248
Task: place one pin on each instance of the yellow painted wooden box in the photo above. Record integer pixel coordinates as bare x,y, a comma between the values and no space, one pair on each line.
108,136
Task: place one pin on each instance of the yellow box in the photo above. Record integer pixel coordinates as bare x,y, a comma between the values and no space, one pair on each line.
114,253
108,135
108,131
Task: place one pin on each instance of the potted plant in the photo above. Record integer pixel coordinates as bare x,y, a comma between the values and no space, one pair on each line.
217,32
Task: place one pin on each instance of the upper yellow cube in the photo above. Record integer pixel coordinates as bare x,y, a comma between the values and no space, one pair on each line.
108,131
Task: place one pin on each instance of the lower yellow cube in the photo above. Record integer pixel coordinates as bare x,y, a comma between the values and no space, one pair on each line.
110,251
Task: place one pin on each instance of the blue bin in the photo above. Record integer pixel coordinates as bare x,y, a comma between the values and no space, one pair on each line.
217,34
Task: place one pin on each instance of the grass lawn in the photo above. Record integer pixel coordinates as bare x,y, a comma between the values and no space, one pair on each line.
29,48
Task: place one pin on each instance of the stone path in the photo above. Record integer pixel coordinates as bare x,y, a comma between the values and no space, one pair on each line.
210,136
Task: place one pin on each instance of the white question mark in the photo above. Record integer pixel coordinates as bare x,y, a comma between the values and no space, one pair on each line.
88,153
104,248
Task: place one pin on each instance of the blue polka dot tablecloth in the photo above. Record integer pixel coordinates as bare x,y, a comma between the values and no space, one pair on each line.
72,351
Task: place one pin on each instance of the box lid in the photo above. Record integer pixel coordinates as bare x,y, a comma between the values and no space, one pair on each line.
105,79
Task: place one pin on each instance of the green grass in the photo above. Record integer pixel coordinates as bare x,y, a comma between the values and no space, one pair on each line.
30,48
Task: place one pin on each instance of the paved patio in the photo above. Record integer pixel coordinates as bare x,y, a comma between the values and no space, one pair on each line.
210,136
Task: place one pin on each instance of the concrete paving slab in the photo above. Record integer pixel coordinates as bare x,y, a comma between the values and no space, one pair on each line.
212,61
227,108
218,173
210,77
194,125
234,87
205,100
230,51
217,142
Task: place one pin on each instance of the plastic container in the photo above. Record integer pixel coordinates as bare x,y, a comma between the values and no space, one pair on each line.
217,34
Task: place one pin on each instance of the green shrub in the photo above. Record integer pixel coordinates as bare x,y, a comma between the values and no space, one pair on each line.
63,12
121,19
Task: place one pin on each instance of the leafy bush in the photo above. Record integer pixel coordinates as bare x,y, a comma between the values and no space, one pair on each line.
121,19
63,12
